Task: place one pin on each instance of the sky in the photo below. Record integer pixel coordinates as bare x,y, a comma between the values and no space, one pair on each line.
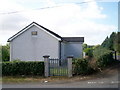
92,19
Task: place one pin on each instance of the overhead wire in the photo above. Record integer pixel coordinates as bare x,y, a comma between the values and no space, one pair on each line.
3,13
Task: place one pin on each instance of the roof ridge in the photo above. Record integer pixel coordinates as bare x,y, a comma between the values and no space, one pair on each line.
20,32
48,30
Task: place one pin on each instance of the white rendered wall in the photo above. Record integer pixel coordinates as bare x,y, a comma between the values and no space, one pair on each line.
27,47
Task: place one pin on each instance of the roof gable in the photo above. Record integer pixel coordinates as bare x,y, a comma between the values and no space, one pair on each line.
67,39
39,26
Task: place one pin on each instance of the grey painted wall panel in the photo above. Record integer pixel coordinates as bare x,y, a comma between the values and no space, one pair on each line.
71,48
32,48
74,49
62,50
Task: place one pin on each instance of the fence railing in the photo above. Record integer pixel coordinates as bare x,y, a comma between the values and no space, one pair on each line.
58,67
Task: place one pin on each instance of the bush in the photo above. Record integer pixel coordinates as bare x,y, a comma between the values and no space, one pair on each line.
81,66
89,52
103,56
22,68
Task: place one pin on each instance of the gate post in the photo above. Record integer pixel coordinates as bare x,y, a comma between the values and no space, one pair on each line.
69,58
46,65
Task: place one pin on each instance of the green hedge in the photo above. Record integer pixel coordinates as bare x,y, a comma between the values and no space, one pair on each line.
103,56
81,67
22,68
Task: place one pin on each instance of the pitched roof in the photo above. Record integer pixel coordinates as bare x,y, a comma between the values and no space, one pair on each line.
49,30
73,39
33,23
67,39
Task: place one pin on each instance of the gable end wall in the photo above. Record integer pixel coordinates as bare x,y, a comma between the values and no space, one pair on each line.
32,48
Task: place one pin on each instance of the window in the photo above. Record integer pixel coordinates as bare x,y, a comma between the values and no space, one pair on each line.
34,32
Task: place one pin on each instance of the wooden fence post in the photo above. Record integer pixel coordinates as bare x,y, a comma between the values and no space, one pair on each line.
46,65
69,58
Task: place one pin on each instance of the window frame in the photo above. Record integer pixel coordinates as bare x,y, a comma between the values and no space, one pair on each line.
34,33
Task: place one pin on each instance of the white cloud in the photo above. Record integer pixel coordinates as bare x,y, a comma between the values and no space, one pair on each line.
9,6
93,10
67,20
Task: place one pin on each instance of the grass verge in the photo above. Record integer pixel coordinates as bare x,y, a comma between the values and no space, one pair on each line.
20,79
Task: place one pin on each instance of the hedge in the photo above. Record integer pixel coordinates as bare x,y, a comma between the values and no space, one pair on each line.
81,67
15,68
103,57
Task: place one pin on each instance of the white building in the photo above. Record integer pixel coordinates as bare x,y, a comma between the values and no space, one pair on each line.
35,41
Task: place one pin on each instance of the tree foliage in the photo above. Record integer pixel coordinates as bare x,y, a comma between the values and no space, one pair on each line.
117,44
88,49
103,56
89,52
5,52
112,42
84,46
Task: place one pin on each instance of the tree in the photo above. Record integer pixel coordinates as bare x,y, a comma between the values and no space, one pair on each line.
0,53
118,39
105,42
117,42
96,46
112,41
84,46
5,52
89,52
109,43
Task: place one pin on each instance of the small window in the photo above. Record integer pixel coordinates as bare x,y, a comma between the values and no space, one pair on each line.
34,32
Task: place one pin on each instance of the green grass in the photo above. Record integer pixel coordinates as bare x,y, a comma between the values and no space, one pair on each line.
27,79
59,71
21,79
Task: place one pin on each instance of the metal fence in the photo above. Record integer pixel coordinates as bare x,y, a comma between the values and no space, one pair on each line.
58,67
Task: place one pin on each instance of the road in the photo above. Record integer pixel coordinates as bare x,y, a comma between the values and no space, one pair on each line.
107,79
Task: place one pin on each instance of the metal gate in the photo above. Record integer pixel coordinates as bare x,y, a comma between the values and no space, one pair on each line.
58,67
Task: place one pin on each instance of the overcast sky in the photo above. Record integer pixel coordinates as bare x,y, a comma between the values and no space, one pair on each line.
90,19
